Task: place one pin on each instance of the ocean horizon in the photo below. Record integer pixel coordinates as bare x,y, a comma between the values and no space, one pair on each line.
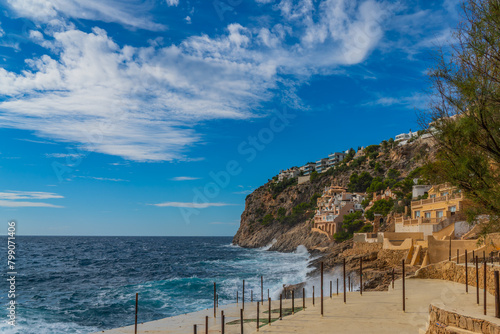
84,284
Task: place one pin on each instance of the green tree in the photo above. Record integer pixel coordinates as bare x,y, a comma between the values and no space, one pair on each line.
464,114
359,183
382,207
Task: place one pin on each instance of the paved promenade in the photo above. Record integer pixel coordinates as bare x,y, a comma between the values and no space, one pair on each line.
374,312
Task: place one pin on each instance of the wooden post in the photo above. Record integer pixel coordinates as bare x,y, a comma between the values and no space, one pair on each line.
477,279
404,297
484,282
269,299
136,310
393,278
293,301
303,298
349,282
222,321
243,296
281,306
458,256
466,274
330,289
497,296
195,330
206,324
321,288
313,295
337,286
361,276
215,301
344,284
241,320
258,316
262,290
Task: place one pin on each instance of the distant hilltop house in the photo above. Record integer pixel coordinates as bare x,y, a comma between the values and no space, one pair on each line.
319,166
288,174
382,194
333,205
403,138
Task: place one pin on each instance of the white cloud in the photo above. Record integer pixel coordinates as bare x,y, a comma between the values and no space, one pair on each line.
63,155
187,19
15,195
103,178
190,205
141,103
172,2
128,13
2,32
184,178
11,199
25,204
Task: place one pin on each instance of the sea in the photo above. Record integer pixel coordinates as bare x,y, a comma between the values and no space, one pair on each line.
88,284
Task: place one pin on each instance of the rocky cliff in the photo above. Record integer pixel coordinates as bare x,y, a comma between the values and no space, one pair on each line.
281,215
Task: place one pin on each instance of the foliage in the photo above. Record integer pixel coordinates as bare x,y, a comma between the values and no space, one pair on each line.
382,207
366,228
359,183
465,111
358,161
314,175
267,219
277,187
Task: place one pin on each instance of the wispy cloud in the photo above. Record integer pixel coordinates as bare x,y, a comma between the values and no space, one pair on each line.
184,178
103,178
12,199
26,204
243,192
36,141
142,103
15,195
191,205
412,101
63,155
130,13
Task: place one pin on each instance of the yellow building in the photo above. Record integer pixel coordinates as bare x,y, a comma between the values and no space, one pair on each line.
444,205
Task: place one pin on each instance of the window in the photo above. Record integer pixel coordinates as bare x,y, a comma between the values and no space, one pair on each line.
453,208
439,214
417,214
427,215
433,196
444,193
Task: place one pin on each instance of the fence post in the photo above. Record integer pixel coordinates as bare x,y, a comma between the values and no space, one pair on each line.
477,279
136,309
269,299
206,324
344,283
449,256
243,296
321,288
258,316
337,286
466,274
241,320
194,329
497,296
304,298
215,301
361,276
293,301
313,295
222,321
484,282
458,256
393,278
281,306
404,297
330,289
349,282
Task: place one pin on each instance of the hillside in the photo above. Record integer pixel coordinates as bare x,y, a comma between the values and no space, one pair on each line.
281,213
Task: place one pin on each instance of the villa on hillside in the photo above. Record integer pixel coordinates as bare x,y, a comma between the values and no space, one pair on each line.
333,205
322,165
288,174
444,205
308,168
335,158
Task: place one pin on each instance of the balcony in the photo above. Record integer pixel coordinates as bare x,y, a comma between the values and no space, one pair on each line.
446,198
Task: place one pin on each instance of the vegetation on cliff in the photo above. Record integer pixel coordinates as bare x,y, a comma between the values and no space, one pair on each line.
465,111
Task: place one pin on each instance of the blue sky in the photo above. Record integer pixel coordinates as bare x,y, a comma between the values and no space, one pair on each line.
159,117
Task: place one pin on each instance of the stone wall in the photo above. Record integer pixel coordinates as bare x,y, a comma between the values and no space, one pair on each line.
450,271
442,321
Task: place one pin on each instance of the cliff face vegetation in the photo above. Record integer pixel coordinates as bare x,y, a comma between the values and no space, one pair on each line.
281,213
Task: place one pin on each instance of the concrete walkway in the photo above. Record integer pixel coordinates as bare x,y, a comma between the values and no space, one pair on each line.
374,312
